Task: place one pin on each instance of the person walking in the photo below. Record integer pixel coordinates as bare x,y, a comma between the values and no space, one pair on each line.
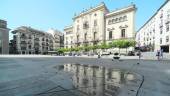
161,54
139,54
158,54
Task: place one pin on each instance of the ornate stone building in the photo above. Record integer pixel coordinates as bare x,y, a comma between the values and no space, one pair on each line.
120,24
98,24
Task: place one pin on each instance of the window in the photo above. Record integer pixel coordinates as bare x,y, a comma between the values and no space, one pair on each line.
113,20
124,18
117,20
110,35
167,27
109,22
123,33
95,22
85,25
167,38
95,33
77,38
160,40
85,36
161,30
69,32
29,46
120,19
66,42
78,28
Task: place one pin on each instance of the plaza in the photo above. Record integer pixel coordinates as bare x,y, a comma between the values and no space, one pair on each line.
99,53
37,76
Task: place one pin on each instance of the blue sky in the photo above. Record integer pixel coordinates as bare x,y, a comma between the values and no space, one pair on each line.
45,14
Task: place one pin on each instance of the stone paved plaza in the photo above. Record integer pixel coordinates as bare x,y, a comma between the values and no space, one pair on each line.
38,76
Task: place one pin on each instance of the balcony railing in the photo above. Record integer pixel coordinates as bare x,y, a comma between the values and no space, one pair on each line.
23,37
167,20
160,25
23,43
85,41
36,39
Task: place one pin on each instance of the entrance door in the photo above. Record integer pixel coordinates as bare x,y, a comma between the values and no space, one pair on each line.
165,48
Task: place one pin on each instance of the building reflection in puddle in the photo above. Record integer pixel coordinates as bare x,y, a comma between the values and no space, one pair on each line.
97,80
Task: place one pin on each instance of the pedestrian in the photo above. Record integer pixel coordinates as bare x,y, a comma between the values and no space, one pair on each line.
158,54
139,54
161,53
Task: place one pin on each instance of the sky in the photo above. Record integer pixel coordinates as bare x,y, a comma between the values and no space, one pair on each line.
56,14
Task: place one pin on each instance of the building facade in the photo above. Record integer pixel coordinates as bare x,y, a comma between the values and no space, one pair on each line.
120,24
98,24
4,37
58,38
68,37
154,34
32,41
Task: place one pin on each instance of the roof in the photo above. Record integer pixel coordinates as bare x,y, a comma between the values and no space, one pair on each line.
121,10
101,5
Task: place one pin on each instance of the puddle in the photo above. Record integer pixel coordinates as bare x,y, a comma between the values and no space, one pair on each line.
75,80
89,80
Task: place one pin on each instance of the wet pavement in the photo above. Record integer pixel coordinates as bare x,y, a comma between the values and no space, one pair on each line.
82,77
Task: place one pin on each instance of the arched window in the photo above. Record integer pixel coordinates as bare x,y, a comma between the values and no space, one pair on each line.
109,22
124,18
110,35
113,20
123,33
117,19
85,25
120,19
77,38
95,22
85,36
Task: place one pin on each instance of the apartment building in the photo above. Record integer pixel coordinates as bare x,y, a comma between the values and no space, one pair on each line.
4,37
32,41
97,25
58,38
68,37
154,34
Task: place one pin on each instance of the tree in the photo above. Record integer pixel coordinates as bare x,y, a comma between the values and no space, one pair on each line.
123,44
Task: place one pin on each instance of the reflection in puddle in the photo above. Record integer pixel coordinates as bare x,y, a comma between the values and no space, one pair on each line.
100,81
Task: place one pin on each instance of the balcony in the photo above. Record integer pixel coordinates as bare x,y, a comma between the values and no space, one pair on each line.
46,40
167,20
36,44
23,48
23,43
85,41
51,41
47,44
43,44
23,37
160,25
95,40
161,15
36,39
